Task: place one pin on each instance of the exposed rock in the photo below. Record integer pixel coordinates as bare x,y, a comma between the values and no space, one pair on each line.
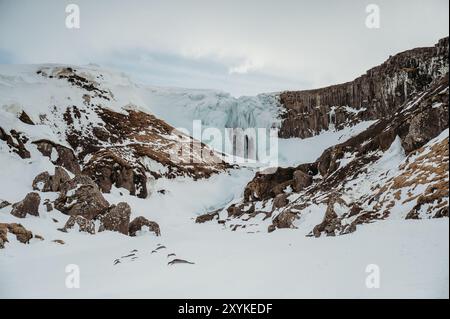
81,197
207,217
58,241
84,225
280,201
25,118
107,169
284,220
139,222
66,157
16,142
22,234
374,95
331,223
48,205
116,218
4,203
45,182
301,180
29,205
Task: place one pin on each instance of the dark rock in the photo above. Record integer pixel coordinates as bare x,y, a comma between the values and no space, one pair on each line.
139,222
301,180
45,182
66,157
4,203
22,234
25,118
116,218
207,217
29,205
84,225
81,197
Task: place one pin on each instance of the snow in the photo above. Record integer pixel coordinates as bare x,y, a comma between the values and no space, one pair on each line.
412,255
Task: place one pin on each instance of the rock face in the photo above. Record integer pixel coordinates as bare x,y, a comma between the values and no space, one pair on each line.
65,156
29,205
108,169
81,197
352,184
44,182
374,95
116,218
139,222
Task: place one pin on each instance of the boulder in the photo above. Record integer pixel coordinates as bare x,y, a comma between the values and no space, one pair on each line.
116,218
4,203
284,220
81,197
45,182
207,217
29,205
301,180
22,234
84,225
139,222
280,201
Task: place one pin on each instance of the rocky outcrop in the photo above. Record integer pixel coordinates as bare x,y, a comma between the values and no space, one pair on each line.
116,218
107,168
139,222
22,234
374,95
81,197
16,142
29,205
65,156
45,182
352,184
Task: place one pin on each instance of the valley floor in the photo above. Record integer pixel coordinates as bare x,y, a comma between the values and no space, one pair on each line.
412,256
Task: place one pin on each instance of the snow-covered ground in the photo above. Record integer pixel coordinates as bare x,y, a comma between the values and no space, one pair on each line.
411,256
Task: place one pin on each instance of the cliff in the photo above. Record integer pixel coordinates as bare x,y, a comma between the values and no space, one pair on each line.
374,95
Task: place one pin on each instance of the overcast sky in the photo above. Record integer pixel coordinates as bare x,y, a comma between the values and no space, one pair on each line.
243,47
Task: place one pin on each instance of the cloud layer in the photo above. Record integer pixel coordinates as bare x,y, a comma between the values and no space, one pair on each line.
240,46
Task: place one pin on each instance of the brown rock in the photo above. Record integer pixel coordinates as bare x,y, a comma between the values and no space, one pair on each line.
84,225
66,157
280,201
29,205
139,222
116,218
23,235
207,217
301,180
81,197
45,182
